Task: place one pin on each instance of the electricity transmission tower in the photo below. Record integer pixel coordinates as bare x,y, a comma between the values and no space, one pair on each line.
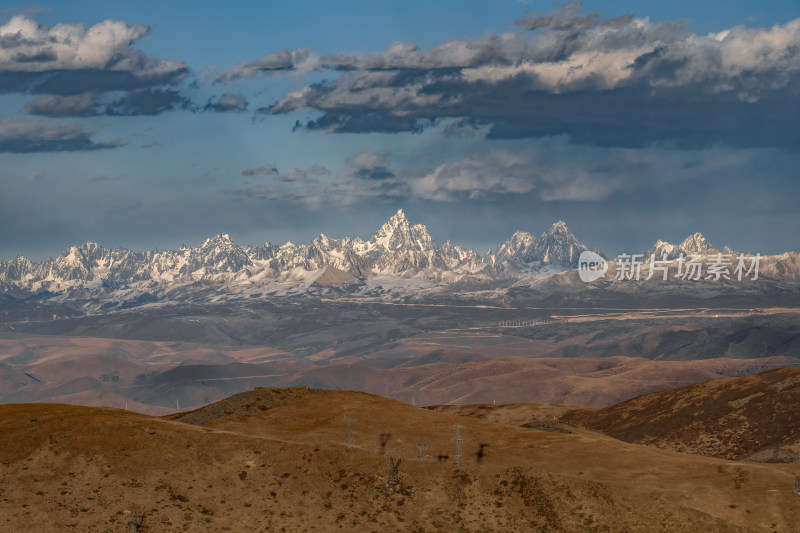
422,447
393,461
351,442
134,521
385,436
457,440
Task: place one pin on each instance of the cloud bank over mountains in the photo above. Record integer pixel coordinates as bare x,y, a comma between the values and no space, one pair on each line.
623,81
567,114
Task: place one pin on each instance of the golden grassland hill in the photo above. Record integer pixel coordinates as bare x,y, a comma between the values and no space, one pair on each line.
753,417
276,460
514,414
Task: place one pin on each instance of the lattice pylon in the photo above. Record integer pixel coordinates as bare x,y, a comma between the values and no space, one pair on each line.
350,418
457,440
393,461
422,447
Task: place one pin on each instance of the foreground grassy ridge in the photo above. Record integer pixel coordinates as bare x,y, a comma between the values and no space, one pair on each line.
274,459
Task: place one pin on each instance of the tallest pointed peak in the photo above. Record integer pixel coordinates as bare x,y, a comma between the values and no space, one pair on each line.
398,221
696,243
398,233
696,236
558,229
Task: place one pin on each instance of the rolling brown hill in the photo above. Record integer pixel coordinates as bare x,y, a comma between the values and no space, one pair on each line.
275,460
754,417
153,376
514,414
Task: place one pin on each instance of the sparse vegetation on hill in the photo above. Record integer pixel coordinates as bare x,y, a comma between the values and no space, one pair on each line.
754,417
276,460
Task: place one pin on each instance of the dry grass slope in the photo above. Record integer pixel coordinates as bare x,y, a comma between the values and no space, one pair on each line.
275,460
754,417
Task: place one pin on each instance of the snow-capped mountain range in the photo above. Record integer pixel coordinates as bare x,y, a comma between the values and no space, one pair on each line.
693,244
397,249
555,246
398,256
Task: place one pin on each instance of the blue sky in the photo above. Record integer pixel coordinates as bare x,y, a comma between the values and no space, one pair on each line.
276,121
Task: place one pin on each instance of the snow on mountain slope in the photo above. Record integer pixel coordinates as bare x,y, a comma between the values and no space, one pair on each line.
694,244
523,254
396,249
399,257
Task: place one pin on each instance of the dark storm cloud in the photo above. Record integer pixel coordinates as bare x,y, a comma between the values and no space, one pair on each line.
282,60
634,117
611,82
78,71
146,102
370,166
287,60
51,105
131,103
362,122
27,136
465,127
69,82
41,56
227,102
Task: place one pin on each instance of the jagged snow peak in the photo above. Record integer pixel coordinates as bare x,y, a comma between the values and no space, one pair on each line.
696,244
397,249
693,244
555,246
